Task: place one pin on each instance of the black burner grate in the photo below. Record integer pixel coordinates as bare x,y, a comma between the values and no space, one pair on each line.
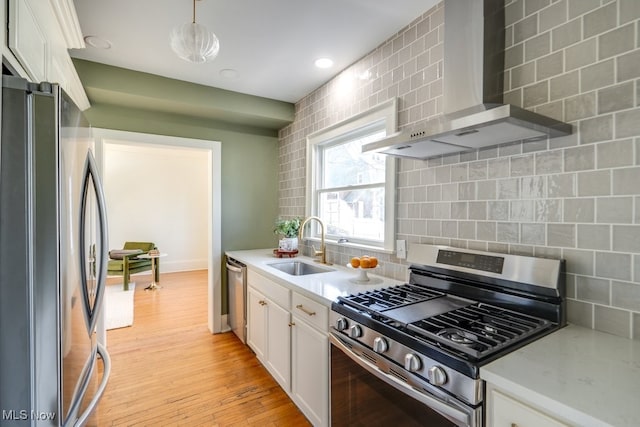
478,330
380,300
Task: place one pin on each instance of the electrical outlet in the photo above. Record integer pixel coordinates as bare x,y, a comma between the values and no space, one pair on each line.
401,249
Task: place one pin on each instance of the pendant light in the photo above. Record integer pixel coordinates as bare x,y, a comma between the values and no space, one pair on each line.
194,42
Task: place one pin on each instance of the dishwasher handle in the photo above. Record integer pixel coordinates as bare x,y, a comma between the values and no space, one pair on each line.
235,266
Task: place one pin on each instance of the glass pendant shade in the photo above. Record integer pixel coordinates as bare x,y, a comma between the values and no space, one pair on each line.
194,43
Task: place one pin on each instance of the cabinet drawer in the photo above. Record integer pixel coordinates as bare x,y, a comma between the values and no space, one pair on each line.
508,412
275,292
311,311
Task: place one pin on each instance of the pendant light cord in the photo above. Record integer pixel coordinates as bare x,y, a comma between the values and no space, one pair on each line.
194,11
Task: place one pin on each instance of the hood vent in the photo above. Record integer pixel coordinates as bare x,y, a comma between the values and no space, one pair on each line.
474,113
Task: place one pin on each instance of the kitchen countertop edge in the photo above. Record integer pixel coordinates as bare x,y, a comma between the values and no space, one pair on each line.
323,288
583,376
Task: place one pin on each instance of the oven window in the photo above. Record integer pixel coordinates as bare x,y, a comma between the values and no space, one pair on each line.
360,399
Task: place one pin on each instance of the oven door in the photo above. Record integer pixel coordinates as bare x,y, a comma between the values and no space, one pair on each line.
367,394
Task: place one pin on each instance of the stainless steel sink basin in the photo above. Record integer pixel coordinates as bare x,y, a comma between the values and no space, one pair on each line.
298,268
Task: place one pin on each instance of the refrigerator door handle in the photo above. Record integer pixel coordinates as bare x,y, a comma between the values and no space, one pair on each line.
106,362
91,173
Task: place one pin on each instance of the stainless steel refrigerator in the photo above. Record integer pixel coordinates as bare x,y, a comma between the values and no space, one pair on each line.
53,259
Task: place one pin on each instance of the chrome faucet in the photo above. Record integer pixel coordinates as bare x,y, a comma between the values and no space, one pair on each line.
322,253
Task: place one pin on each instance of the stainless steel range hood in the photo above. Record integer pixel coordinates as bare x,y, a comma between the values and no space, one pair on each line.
474,113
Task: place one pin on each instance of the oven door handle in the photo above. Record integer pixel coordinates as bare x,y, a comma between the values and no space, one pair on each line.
459,417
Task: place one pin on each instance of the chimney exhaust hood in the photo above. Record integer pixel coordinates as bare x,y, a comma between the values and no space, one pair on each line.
473,76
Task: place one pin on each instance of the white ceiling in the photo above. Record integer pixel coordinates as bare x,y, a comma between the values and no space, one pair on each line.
272,44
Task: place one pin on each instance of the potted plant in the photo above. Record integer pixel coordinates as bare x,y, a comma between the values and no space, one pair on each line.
288,228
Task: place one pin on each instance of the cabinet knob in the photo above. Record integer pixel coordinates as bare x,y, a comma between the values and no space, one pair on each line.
292,324
262,302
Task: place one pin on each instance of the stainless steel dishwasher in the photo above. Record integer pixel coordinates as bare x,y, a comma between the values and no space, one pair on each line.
237,293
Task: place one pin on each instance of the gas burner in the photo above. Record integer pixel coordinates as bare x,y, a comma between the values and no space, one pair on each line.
455,335
488,329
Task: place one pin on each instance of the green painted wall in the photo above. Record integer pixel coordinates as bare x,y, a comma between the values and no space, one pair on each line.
249,170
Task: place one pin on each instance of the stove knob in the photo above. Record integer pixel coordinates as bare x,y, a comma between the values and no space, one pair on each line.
342,324
355,331
412,362
437,376
380,345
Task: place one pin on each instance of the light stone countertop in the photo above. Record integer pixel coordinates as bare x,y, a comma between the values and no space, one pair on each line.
586,377
323,287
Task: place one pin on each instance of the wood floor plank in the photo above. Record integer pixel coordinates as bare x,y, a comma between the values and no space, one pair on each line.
168,370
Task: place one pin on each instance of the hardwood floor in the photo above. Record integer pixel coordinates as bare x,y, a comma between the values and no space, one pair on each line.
168,370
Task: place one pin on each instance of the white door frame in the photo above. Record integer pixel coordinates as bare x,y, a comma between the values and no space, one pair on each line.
214,244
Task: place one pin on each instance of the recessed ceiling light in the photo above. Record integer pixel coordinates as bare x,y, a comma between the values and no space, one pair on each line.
229,73
97,42
324,63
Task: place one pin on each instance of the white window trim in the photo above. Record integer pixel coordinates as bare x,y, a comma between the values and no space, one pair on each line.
386,111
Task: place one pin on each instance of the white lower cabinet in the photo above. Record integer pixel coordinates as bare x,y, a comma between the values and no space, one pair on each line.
279,344
504,411
310,371
268,335
289,334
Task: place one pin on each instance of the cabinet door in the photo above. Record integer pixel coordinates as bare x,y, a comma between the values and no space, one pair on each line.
279,344
508,412
26,39
257,323
310,371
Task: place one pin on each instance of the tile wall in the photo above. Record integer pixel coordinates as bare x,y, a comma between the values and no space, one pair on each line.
576,197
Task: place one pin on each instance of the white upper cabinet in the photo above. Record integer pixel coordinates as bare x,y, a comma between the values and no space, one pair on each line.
40,34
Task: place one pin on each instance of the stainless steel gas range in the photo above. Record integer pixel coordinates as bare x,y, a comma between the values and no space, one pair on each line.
411,354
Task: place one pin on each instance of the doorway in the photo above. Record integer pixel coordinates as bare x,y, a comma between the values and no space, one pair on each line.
117,145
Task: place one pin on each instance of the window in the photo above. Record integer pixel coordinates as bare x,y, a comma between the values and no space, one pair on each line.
354,192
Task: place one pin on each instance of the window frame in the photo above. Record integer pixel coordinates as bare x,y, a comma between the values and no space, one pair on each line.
383,116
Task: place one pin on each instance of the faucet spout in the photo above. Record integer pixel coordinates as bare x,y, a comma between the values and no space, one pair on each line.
322,253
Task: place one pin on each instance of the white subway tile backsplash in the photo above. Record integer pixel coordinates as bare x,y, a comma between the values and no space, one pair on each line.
616,42
628,123
580,313
628,66
579,158
596,129
507,232
593,290
598,75
611,320
616,98
594,236
533,234
614,210
563,235
575,197
613,265
600,20
614,154
626,238
579,7
579,210
579,261
533,187
548,210
625,295
594,183
626,180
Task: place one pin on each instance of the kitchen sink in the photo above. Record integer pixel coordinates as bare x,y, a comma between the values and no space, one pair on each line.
298,268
